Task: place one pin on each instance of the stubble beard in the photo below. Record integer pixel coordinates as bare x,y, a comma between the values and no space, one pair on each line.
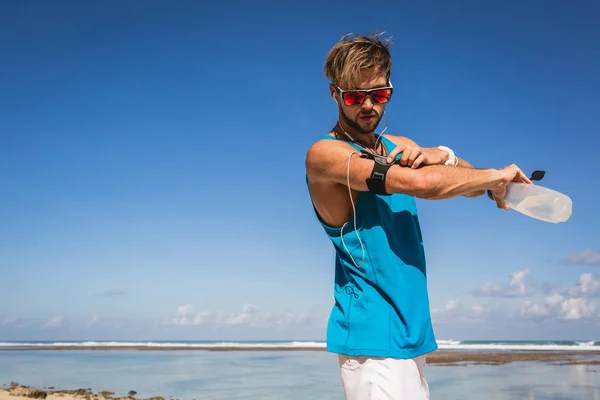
358,127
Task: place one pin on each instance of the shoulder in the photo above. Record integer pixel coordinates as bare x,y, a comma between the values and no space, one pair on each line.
325,156
324,149
400,140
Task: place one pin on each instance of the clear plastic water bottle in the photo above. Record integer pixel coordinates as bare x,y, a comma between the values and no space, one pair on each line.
538,202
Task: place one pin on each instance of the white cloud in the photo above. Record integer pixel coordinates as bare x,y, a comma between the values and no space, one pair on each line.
453,311
184,315
12,322
54,322
515,288
560,308
92,322
7,321
587,286
477,310
590,257
450,305
554,300
518,281
249,316
534,311
574,309
573,304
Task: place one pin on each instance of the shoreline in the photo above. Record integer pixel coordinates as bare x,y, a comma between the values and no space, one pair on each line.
241,347
14,391
447,357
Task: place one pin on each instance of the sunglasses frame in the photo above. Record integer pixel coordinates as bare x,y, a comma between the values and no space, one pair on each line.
367,92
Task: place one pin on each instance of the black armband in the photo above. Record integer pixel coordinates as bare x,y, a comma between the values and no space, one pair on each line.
376,182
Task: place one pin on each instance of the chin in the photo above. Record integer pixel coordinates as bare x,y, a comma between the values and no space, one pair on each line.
365,129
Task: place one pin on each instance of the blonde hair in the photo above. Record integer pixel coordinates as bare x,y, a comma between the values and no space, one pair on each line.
350,55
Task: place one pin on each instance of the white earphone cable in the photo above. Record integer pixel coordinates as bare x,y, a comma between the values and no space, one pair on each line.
354,217
352,201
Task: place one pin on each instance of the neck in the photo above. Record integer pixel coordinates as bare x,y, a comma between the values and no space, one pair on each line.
347,133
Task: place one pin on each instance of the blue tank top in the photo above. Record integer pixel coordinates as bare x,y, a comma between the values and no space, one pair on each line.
382,308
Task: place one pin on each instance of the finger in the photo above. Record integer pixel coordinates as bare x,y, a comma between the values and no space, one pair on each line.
525,178
412,157
422,159
521,177
409,156
405,154
499,197
500,203
416,152
392,156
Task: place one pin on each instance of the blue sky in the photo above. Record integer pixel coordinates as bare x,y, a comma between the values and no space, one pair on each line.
152,165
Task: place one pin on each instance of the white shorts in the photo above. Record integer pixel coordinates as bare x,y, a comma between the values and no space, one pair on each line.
377,378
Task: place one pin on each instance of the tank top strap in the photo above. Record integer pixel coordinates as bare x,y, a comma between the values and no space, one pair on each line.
329,137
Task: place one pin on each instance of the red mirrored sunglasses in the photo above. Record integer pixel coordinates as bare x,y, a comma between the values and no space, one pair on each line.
356,97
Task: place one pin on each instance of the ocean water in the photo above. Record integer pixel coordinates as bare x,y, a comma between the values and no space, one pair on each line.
470,345
264,375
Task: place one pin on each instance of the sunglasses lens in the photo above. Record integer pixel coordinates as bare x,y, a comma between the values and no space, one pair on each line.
358,97
381,96
352,98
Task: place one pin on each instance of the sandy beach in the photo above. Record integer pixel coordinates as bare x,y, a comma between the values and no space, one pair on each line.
16,392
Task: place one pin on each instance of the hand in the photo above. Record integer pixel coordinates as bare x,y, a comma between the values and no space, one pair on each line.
415,156
512,173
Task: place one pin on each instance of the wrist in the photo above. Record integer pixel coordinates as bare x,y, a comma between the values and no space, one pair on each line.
451,158
497,178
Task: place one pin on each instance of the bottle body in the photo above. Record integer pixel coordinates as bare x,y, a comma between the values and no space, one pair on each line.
538,202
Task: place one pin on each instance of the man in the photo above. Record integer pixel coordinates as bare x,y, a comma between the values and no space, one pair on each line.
380,325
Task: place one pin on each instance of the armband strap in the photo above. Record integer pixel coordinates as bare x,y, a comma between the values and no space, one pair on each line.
376,182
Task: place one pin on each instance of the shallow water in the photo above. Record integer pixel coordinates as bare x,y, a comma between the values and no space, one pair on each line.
266,375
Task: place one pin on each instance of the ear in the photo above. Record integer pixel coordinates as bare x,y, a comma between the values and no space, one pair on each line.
332,91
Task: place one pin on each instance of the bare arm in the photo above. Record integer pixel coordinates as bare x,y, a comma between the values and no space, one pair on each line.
401,140
327,161
464,163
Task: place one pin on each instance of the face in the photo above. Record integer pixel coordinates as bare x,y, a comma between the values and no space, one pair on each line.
363,117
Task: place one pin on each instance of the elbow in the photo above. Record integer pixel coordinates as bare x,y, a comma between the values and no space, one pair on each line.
427,186
423,186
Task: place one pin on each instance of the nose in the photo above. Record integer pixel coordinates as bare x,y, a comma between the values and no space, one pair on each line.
367,104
